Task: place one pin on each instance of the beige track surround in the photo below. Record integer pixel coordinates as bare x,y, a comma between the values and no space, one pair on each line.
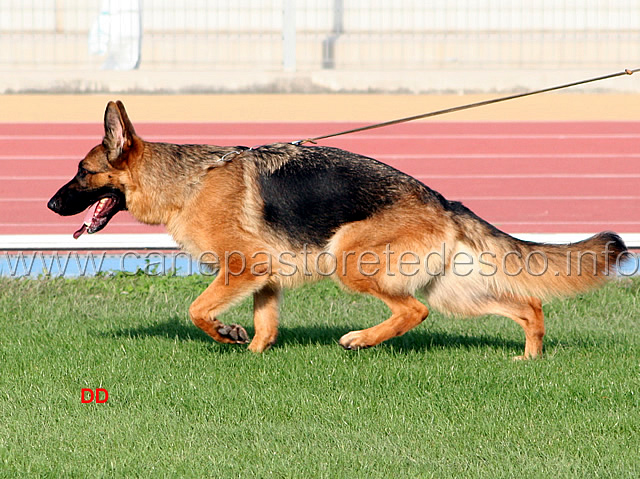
318,107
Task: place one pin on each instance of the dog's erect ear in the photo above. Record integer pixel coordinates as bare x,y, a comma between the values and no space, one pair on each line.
118,131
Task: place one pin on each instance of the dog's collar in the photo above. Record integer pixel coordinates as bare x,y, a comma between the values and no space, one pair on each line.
227,157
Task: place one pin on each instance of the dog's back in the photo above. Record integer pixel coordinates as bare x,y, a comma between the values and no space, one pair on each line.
310,192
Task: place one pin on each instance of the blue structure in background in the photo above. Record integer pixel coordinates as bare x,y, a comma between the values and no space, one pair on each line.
75,265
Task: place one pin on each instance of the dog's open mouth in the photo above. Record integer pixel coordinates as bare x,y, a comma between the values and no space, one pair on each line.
98,215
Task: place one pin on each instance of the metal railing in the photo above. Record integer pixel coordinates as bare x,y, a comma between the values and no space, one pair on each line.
310,35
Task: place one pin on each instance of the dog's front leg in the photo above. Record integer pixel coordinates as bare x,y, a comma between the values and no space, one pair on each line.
223,292
266,305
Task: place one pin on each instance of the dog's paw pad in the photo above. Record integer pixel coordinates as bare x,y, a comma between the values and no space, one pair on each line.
234,332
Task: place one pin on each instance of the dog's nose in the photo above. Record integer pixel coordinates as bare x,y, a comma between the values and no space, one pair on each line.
53,204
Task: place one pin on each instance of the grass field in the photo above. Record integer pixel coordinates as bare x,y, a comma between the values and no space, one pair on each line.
445,400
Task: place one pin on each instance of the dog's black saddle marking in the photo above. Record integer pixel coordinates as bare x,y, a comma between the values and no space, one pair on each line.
319,189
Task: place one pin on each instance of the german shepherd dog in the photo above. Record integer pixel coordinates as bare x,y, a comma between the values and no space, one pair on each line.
279,215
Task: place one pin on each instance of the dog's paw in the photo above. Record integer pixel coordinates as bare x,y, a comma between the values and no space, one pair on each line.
260,346
354,340
234,332
525,357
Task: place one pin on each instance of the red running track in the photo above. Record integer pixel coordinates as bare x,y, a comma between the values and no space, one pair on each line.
551,177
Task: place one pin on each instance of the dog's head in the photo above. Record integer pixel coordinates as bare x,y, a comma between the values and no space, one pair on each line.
103,175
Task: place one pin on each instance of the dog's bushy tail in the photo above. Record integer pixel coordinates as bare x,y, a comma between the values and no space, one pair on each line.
552,270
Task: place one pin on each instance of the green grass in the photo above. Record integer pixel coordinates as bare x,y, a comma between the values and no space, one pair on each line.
445,400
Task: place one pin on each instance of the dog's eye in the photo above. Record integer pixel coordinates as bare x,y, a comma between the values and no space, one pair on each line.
82,172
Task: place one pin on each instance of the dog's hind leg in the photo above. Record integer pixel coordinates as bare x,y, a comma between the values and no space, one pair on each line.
527,312
406,313
469,297
266,303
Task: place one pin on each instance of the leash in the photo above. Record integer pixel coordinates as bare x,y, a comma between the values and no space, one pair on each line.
463,107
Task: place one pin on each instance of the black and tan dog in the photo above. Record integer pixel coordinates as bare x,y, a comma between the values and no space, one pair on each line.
281,214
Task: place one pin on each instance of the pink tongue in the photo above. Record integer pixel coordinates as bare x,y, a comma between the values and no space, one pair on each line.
78,233
88,217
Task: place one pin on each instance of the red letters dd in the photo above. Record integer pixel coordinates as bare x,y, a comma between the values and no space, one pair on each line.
101,395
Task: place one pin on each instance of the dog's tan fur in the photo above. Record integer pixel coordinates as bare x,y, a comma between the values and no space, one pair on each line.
209,204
